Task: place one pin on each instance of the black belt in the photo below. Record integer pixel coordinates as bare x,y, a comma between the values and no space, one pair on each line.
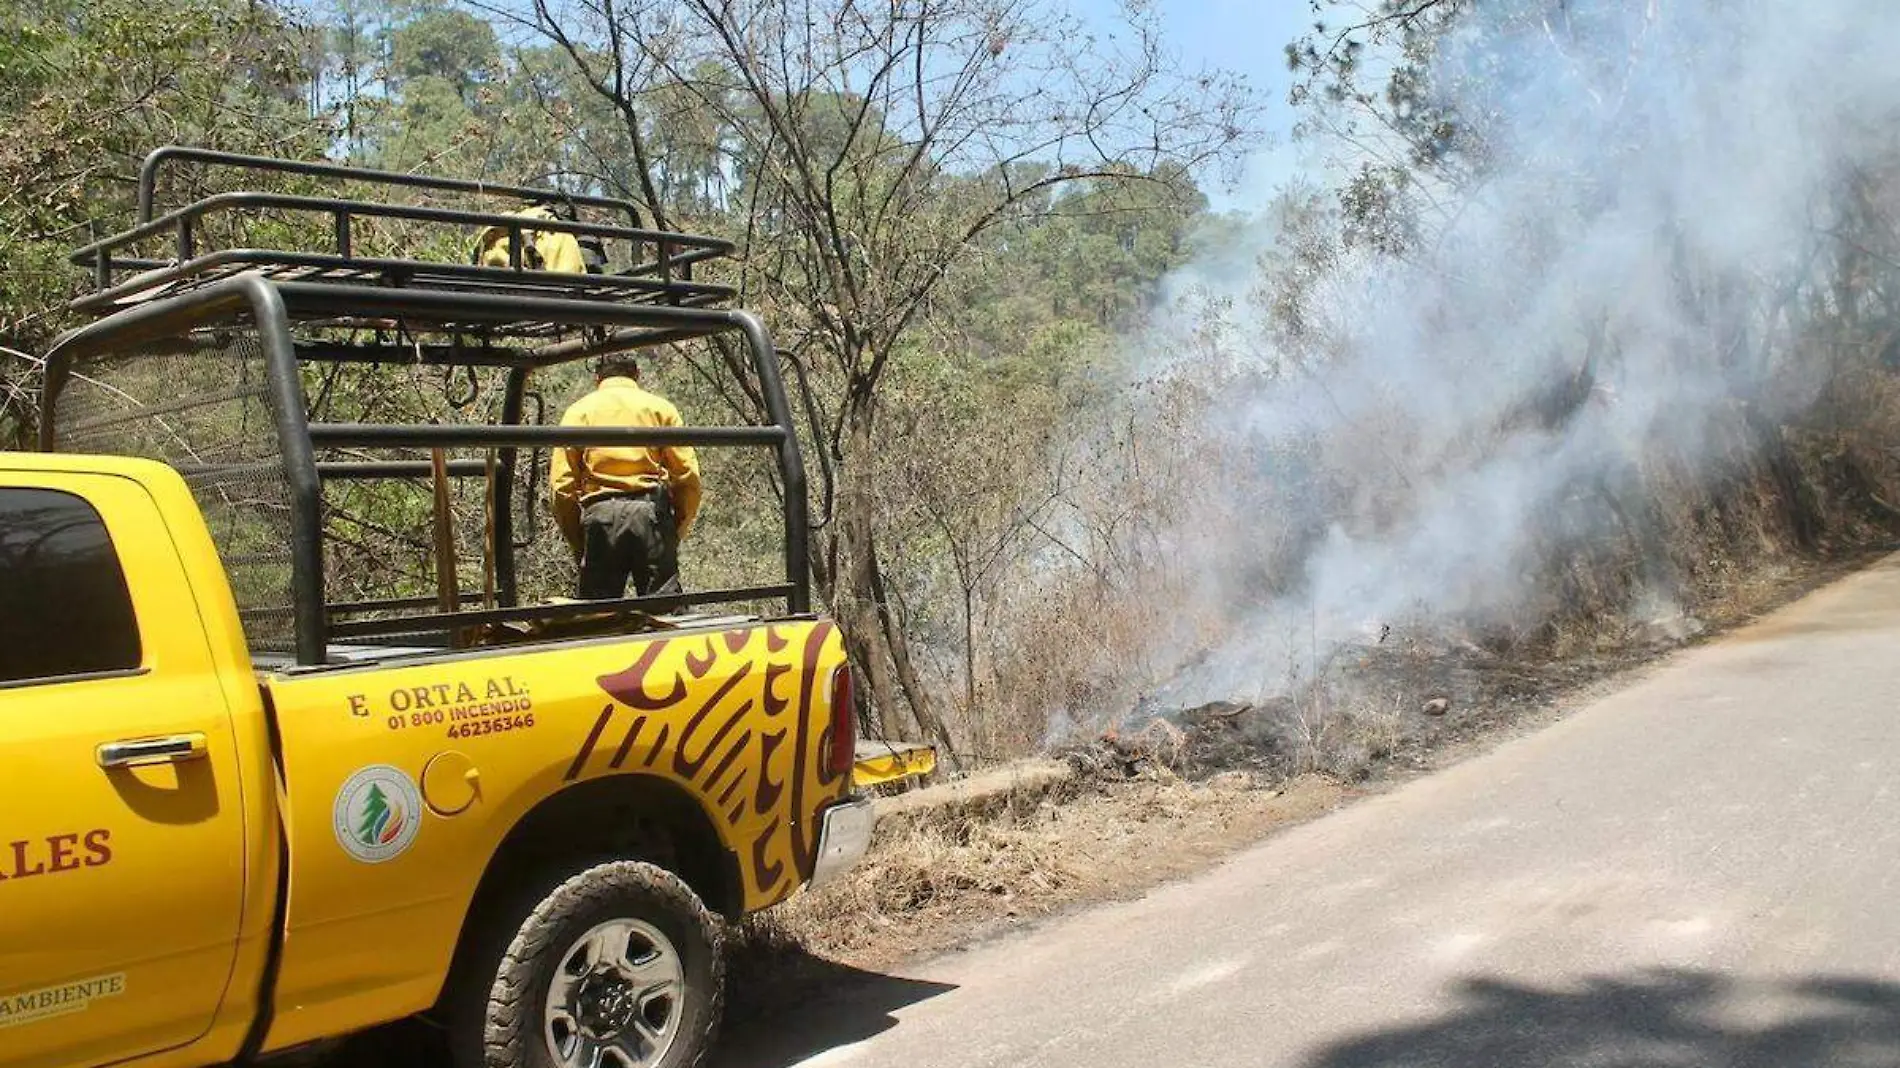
627,495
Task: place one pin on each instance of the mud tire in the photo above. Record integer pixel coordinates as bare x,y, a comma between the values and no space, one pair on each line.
498,1016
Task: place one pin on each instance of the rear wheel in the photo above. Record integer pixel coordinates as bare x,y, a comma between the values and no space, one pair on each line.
620,966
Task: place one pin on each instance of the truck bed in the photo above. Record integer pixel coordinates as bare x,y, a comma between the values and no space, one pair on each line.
345,654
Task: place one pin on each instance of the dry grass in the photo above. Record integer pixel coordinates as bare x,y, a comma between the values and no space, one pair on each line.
1614,570
939,878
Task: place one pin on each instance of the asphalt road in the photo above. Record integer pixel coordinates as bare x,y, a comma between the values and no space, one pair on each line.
1702,869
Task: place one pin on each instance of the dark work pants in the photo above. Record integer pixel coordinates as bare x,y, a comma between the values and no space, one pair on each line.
629,537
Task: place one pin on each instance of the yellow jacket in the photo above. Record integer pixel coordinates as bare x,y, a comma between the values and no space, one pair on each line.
556,251
581,474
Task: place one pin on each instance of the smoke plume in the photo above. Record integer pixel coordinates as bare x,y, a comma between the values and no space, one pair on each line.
1595,308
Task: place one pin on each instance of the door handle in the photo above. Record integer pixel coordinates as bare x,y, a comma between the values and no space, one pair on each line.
135,751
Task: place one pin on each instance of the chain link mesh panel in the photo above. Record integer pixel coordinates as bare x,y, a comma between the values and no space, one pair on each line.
204,407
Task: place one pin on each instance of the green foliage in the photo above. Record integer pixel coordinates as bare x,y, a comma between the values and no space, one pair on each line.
86,88
452,46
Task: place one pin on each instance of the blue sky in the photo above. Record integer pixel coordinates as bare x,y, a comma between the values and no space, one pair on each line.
1248,37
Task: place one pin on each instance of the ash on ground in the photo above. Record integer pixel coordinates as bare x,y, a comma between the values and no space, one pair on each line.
1380,705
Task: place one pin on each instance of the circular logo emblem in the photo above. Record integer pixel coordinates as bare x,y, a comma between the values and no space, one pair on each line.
378,812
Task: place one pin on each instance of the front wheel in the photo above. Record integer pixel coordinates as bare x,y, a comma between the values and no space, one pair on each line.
620,966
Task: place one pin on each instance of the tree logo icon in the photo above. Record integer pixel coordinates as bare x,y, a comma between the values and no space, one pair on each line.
378,812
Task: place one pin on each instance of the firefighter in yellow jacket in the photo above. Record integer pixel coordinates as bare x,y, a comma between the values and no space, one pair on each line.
624,509
541,250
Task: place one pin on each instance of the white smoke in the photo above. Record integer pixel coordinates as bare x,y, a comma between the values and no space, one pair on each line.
1661,174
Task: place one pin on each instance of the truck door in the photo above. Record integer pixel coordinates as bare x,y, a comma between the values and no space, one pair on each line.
121,832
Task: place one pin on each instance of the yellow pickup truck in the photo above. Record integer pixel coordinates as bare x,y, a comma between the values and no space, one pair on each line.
246,811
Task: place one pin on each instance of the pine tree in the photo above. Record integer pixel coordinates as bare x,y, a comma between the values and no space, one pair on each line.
375,815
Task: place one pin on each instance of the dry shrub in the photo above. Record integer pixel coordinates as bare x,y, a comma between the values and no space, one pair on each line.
934,866
937,875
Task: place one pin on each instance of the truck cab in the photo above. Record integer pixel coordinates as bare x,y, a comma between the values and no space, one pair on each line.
140,864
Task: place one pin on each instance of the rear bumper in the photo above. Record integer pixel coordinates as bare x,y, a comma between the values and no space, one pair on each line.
844,833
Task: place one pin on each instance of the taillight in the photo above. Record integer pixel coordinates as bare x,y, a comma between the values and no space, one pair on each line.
844,725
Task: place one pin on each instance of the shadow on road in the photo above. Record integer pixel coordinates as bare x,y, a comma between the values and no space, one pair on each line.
787,1011
1682,1019
783,1006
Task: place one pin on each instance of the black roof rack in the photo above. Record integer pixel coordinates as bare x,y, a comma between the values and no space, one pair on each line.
156,160
262,451
655,267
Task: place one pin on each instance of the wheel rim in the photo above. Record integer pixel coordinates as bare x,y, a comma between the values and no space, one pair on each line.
616,998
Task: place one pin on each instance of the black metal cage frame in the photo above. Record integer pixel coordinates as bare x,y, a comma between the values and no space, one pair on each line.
296,301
